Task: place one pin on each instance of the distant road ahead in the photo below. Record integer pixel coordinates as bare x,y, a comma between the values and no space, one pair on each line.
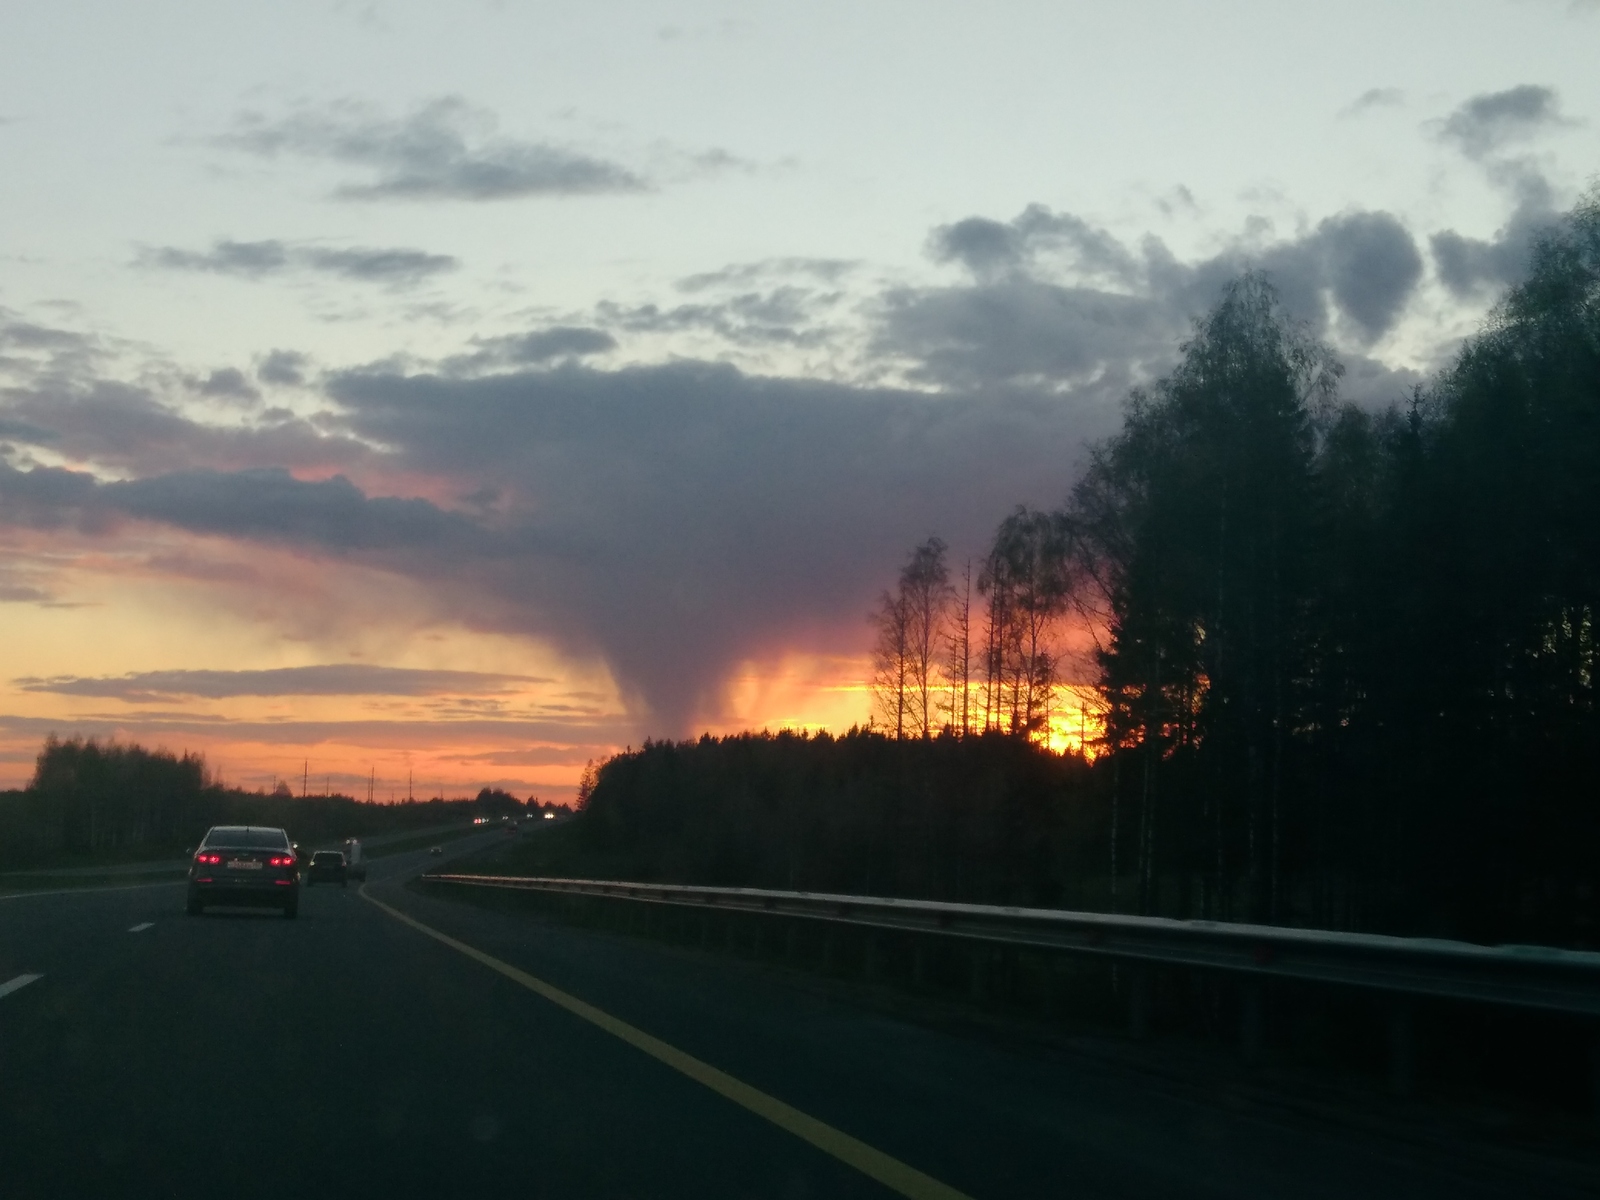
348,1054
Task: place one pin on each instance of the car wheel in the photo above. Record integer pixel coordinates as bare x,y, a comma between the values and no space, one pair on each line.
194,907
291,910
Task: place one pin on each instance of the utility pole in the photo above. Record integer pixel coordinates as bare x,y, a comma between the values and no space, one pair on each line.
305,777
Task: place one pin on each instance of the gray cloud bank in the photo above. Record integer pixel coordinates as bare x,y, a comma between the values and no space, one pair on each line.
335,679
1057,303
1486,128
678,519
445,150
674,520
395,266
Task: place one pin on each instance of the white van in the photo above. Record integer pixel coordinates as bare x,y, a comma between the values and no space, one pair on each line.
355,862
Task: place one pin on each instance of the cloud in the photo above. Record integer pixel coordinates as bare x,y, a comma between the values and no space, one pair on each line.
337,679
990,249
1372,98
265,504
1059,304
227,383
680,521
781,316
1471,266
559,342
1486,124
287,367
397,267
445,150
1371,265
743,275
129,430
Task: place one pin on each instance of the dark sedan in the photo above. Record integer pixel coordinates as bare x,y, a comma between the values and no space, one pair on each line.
245,865
327,866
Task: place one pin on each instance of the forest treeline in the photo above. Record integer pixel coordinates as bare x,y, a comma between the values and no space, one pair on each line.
1343,661
92,800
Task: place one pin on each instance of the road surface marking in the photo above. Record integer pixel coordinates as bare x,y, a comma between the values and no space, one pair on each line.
17,984
142,927
891,1172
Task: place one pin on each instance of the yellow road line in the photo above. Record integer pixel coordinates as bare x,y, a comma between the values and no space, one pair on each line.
891,1172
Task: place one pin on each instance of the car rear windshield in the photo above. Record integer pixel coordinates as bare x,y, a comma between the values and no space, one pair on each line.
327,856
235,837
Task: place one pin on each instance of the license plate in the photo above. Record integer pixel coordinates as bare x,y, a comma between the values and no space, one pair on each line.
243,864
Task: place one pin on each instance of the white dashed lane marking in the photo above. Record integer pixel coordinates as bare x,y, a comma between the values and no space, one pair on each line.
143,927
17,984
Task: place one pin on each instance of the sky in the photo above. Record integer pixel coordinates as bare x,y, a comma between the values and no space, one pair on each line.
444,396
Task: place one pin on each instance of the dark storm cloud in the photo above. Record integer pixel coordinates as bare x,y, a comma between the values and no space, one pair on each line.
255,260
679,519
265,504
227,383
781,316
446,150
286,367
675,520
990,248
1475,266
335,679
132,431
1488,123
1484,129
1371,265
270,504
560,342
11,429
1022,323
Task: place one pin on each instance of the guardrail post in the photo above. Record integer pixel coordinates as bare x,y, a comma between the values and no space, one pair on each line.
919,964
1251,1022
1402,1047
827,949
791,940
1138,1002
871,953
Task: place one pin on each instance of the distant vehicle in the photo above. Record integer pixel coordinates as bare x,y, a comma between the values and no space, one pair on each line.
355,859
246,865
327,866
437,850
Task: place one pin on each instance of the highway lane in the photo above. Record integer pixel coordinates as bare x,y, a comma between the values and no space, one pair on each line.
346,1053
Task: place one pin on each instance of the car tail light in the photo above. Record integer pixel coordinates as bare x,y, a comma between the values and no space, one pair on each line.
208,857
281,860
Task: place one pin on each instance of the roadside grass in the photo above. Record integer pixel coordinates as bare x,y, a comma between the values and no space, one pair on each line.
421,841
58,883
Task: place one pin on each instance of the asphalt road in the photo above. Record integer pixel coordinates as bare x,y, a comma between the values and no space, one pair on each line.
350,1054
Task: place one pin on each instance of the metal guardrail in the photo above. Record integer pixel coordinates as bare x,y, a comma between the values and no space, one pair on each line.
1536,977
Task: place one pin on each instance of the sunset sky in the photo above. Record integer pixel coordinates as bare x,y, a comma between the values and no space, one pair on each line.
463,392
